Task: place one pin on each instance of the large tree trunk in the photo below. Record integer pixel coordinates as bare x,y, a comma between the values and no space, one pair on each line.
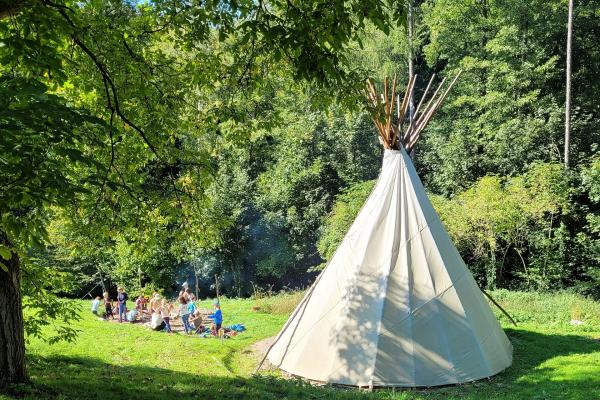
9,7
12,335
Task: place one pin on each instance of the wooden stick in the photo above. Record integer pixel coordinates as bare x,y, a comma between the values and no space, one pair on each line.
410,93
424,95
390,113
407,96
408,135
391,110
374,96
405,102
416,115
422,122
384,100
422,126
499,306
385,96
373,92
439,102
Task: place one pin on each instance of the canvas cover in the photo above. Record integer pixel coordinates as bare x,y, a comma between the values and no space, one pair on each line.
396,305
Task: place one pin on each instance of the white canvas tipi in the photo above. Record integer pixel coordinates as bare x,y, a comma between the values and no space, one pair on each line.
396,305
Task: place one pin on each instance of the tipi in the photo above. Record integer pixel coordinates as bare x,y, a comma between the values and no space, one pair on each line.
396,305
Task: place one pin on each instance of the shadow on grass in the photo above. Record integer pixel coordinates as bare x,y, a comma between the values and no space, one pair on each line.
529,377
545,366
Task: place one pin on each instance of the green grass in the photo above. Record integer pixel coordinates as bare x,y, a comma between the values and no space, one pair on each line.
552,359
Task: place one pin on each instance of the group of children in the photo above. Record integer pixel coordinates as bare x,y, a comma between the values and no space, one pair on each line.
118,307
160,311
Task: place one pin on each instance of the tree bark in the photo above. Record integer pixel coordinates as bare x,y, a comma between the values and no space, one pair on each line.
568,86
12,334
9,7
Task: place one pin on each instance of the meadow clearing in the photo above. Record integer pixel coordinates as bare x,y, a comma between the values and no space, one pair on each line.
552,358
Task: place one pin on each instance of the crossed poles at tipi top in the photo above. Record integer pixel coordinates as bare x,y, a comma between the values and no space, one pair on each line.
396,128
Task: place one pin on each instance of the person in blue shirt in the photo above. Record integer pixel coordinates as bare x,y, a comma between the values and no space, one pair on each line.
191,306
217,316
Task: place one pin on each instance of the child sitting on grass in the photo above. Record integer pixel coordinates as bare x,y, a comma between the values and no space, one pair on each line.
132,315
156,322
195,321
165,313
95,304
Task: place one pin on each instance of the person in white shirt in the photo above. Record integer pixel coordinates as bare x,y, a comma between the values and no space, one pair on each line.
156,322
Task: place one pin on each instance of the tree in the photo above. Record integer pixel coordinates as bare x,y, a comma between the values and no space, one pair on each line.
113,109
568,85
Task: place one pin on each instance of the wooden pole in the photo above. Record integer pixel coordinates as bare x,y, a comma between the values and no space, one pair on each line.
217,288
101,280
434,108
568,86
408,135
418,108
499,306
404,106
411,73
289,321
196,276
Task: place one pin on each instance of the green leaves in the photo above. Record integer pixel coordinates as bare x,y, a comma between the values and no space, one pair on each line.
5,252
343,214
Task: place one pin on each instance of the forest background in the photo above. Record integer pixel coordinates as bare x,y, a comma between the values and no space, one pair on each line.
143,150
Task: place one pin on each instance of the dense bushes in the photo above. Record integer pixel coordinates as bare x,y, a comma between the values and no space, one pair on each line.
267,167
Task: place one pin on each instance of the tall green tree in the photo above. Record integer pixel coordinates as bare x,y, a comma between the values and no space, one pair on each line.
114,110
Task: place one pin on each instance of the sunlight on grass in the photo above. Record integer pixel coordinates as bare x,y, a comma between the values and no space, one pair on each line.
552,359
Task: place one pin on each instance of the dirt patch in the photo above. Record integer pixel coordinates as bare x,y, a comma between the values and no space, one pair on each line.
259,349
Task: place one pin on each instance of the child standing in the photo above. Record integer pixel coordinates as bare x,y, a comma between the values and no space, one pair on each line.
165,313
217,316
107,307
191,307
185,313
95,305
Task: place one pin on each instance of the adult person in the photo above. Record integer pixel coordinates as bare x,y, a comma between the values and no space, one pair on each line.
190,295
122,302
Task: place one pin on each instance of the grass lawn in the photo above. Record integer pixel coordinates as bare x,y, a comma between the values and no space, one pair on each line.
552,359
